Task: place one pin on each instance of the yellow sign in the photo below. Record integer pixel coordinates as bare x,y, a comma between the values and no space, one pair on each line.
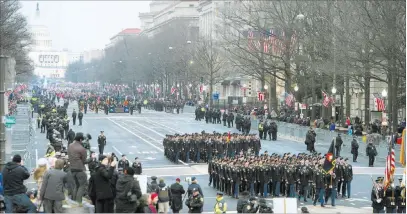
145,102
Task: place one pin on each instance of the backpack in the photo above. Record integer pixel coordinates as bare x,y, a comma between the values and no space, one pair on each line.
163,193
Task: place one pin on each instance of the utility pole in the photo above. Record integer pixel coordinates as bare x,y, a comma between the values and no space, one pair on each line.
3,67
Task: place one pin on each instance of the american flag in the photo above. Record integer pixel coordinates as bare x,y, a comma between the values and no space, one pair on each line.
390,164
250,42
173,90
379,104
289,99
326,99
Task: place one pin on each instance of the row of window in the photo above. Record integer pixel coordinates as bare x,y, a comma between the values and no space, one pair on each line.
46,43
39,34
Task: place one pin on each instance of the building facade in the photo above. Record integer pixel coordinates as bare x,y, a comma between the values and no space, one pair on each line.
47,62
128,32
89,56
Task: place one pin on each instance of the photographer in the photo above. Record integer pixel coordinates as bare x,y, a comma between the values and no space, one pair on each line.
77,159
14,175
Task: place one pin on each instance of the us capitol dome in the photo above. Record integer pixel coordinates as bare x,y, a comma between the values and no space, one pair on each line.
40,34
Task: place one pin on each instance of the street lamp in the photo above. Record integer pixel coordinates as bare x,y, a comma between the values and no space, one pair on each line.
296,88
190,85
189,42
120,61
333,90
191,62
266,87
177,85
170,48
149,53
384,93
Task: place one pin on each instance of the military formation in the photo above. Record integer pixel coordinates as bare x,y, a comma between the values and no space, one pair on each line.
169,106
302,176
391,198
204,147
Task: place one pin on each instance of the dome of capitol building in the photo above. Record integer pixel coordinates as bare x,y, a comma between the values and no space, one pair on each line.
41,37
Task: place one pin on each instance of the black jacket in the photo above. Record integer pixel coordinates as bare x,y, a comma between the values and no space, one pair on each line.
102,182
13,179
177,190
124,185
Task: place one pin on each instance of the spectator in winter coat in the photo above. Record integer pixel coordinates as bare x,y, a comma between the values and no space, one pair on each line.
77,159
102,186
52,188
14,174
39,173
143,202
150,208
177,190
127,189
164,196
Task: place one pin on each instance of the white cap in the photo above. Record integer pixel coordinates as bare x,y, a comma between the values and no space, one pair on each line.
42,162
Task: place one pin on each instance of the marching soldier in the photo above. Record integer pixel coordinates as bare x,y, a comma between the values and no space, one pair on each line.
101,142
80,117
390,198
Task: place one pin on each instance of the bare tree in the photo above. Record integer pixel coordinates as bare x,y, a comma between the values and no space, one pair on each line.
211,60
14,35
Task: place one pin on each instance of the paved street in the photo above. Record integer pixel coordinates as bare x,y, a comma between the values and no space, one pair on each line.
141,136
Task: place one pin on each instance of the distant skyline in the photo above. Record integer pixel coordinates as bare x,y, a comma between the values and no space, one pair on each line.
85,25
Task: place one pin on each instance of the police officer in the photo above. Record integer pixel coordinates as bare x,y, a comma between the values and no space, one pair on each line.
252,206
138,169
371,152
123,163
74,117
220,204
194,185
80,116
101,142
195,202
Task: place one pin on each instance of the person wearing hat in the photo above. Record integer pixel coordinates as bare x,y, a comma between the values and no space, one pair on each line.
123,163
377,196
177,190
251,207
138,168
390,198
77,158
14,175
347,178
195,201
371,152
101,142
354,148
151,207
401,197
220,204
80,117
194,185
243,201
153,185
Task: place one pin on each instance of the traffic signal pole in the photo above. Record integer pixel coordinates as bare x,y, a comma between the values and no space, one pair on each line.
3,103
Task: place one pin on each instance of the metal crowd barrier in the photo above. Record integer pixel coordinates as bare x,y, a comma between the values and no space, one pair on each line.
23,135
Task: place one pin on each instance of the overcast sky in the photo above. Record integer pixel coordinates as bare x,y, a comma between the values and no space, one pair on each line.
84,25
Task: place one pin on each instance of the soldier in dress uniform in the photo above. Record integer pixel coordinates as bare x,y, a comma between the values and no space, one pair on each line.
138,168
123,163
348,177
390,198
101,142
401,197
377,196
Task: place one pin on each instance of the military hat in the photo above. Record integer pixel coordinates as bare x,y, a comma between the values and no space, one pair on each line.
346,159
252,198
379,179
219,193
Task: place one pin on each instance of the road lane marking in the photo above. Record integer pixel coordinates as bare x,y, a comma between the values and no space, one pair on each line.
147,128
162,150
161,167
117,150
169,128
